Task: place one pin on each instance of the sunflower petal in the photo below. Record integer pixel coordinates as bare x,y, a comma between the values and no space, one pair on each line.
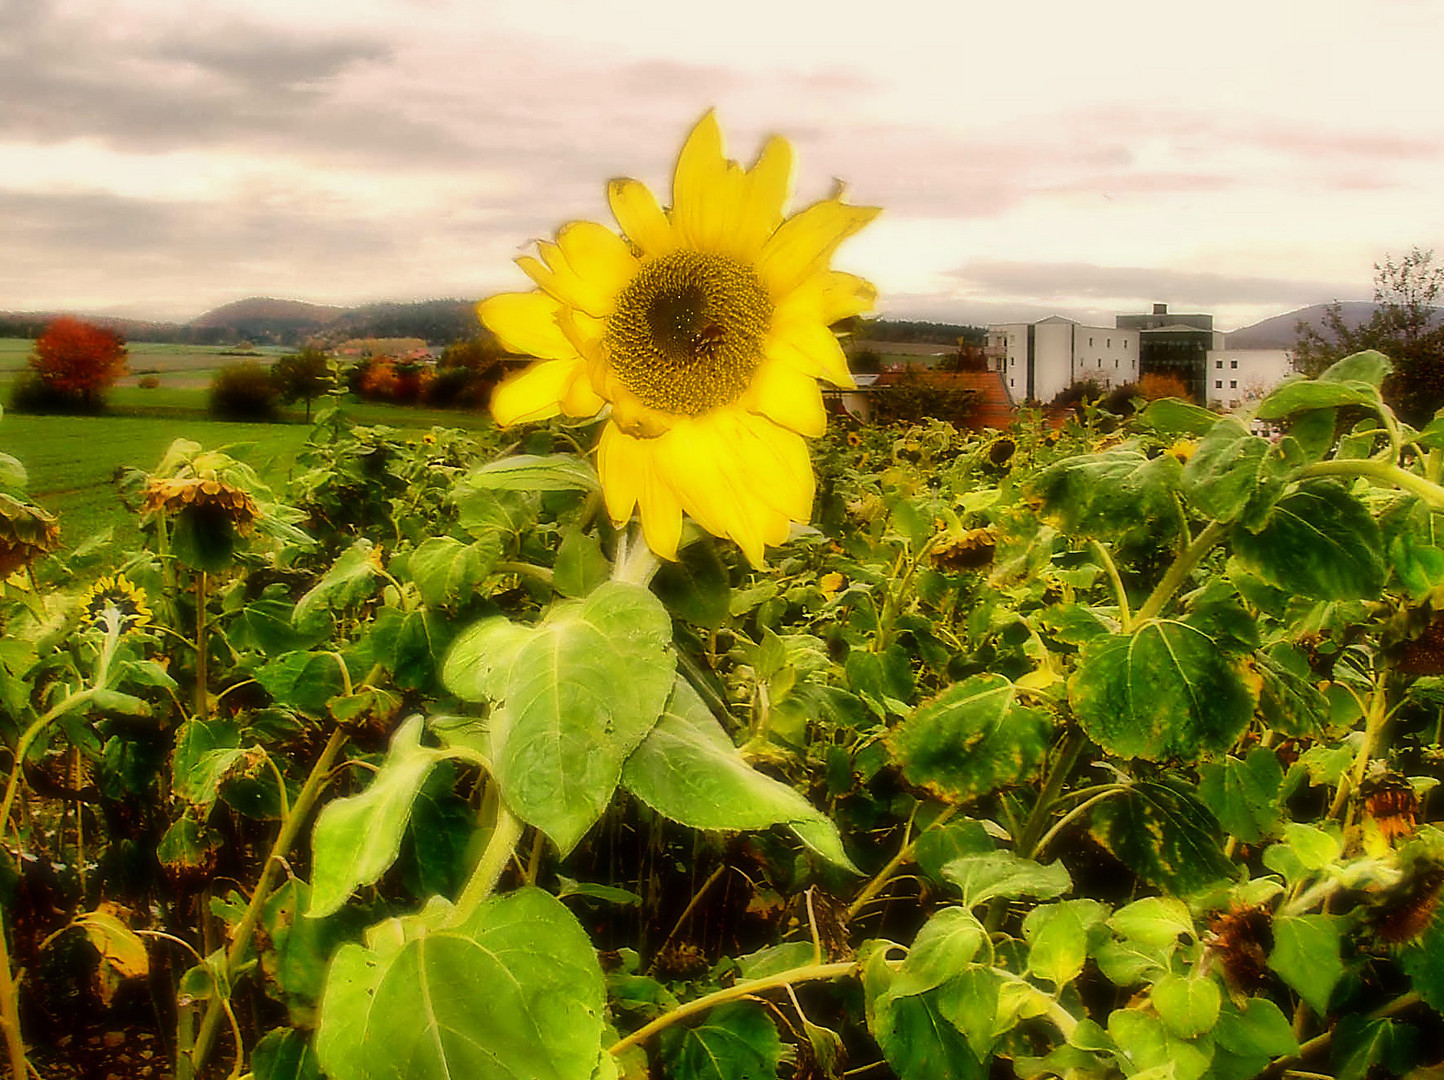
846,295
784,394
812,348
620,464
536,393
641,217
766,188
597,255
581,399
591,295
804,242
703,186
786,479
661,514
526,323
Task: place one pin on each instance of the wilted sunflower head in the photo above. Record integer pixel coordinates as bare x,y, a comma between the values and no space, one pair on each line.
115,600
705,328
969,550
208,498
26,533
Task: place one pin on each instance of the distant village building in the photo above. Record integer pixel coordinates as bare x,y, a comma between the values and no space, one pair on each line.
1239,376
1173,344
1040,360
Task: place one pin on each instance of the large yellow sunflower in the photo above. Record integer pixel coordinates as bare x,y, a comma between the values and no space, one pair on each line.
705,328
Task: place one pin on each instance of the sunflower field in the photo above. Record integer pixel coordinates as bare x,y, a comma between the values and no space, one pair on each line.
667,731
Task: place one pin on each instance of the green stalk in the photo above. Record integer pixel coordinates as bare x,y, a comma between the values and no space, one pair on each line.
892,603
882,877
202,706
241,940
10,1010
499,848
1382,471
807,973
1124,615
1178,573
22,748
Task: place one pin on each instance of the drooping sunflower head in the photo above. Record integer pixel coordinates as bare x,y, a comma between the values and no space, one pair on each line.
705,328
26,533
207,497
115,600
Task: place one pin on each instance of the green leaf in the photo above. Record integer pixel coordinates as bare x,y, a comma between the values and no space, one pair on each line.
943,948
1301,393
13,477
582,693
1365,1047
1164,835
350,580
446,570
736,1041
1144,1043
1288,697
285,1054
695,587
1057,936
1155,921
1172,416
971,739
775,959
1306,956
1315,848
532,472
356,839
1369,367
1107,493
481,657
919,1042
941,844
1261,1029
687,769
1423,961
303,680
1187,1006
1165,690
580,565
1234,474
1245,795
1319,542
296,950
189,848
1001,873
513,994
206,753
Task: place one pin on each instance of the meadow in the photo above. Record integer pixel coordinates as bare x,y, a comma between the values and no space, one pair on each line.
75,462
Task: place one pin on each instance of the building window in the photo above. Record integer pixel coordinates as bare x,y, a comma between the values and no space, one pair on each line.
1233,384
1218,364
1110,343
1218,385
1012,383
1090,343
1233,363
1115,365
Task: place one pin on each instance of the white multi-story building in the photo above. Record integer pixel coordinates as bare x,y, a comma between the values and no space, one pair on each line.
1040,360
1239,376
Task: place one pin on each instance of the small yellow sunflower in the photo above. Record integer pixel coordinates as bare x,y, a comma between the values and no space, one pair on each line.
116,598
705,328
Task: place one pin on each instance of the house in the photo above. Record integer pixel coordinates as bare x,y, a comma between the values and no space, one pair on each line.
1174,344
1239,376
1040,360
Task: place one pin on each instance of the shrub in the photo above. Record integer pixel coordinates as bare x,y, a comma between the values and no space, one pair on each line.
1159,384
243,391
148,382
77,363
30,393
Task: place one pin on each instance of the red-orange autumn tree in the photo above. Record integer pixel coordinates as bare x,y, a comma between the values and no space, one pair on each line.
78,361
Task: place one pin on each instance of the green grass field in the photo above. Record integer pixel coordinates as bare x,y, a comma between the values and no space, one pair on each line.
75,461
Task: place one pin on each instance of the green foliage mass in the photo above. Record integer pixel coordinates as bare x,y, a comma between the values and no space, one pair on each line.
1053,752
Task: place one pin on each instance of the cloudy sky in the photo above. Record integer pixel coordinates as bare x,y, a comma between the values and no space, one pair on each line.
1246,157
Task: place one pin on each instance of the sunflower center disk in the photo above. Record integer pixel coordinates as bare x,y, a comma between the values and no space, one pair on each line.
687,331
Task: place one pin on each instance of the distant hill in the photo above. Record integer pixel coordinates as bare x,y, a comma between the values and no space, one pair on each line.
263,318
269,321
1280,332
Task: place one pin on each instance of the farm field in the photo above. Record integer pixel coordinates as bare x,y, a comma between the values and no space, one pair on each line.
74,461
